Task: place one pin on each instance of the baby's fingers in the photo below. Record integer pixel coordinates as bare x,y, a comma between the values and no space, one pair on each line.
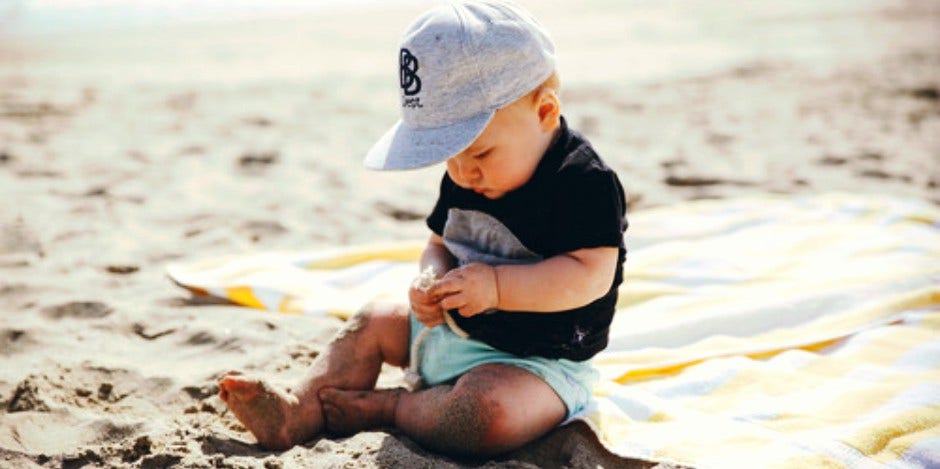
422,298
457,302
445,287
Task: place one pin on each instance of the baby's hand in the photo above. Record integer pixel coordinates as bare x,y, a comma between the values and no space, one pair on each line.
427,308
470,290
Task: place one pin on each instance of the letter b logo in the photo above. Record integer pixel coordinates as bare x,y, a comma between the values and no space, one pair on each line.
408,73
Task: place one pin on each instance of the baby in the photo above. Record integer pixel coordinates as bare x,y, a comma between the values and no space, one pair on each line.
526,247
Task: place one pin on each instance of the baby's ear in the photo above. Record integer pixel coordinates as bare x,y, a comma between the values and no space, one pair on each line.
548,106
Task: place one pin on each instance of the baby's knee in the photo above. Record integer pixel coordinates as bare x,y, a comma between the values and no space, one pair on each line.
379,327
375,313
381,315
369,317
478,421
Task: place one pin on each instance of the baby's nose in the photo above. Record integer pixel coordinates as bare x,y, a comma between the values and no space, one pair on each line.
467,170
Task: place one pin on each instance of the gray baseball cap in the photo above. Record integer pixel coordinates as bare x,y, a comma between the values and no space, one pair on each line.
457,65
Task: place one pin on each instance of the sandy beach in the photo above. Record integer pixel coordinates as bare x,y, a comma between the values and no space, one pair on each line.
124,149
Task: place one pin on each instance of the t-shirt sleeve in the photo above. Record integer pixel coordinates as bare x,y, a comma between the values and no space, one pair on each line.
590,210
438,216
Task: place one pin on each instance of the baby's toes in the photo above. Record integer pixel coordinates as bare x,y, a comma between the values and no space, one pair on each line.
239,388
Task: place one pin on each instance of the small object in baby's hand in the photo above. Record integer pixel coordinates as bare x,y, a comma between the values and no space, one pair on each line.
425,279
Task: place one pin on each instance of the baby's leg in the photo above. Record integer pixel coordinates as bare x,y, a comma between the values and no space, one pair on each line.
492,409
352,360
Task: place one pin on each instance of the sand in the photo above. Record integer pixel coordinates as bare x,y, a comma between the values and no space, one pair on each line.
123,150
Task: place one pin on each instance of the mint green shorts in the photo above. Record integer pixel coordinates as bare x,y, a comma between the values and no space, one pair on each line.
445,356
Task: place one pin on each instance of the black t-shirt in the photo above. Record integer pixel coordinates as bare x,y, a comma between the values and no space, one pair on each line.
573,201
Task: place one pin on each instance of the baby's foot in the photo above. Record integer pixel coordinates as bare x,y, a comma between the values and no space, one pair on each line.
349,412
265,411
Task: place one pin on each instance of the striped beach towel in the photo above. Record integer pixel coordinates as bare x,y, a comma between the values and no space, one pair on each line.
776,331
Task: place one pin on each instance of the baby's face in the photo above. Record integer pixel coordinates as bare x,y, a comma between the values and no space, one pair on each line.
505,155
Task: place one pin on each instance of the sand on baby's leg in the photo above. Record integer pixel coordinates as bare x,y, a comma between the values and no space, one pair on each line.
348,412
352,360
491,409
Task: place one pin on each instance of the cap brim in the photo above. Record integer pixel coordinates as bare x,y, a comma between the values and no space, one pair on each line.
403,147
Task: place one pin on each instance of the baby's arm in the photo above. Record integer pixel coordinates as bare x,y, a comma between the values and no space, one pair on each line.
563,282
436,255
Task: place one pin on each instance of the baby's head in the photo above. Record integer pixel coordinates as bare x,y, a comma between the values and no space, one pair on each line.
479,90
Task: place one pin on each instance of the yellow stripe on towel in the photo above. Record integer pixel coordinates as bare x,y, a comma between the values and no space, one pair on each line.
244,296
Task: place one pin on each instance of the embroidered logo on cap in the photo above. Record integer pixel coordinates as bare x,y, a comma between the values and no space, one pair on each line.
408,73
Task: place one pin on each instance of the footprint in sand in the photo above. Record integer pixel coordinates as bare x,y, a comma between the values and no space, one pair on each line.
398,213
260,229
13,341
121,269
78,310
17,238
699,181
253,161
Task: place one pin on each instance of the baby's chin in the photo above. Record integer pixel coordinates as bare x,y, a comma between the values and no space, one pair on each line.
491,193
